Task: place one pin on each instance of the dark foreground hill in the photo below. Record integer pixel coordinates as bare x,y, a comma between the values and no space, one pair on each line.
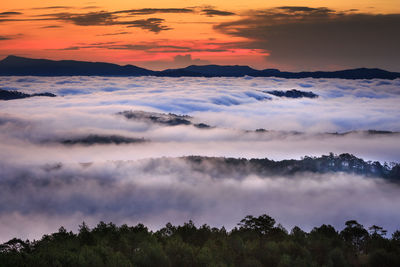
20,66
256,241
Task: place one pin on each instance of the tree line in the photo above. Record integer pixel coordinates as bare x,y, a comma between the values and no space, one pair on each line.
345,162
255,241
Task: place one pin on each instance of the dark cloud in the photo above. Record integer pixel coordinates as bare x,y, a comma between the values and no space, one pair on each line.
86,19
90,7
150,47
151,24
70,48
10,37
52,7
8,20
111,18
9,13
101,43
115,33
108,18
63,7
294,9
103,18
51,27
150,11
214,12
315,37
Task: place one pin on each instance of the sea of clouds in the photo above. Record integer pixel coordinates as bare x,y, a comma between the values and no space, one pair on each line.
45,183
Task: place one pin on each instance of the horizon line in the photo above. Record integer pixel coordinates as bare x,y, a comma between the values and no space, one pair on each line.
235,65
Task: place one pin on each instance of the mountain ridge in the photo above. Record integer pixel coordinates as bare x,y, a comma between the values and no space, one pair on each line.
23,66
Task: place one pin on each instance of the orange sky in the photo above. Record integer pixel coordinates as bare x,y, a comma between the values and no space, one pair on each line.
166,33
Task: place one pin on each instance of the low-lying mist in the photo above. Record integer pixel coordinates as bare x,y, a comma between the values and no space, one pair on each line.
106,148
156,191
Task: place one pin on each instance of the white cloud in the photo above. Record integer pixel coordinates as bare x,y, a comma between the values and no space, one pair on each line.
156,191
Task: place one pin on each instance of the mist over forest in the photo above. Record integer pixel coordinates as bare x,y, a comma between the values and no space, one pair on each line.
154,150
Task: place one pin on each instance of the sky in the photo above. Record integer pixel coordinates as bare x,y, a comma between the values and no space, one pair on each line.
289,35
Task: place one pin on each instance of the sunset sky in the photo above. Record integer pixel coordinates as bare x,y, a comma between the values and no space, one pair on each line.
289,35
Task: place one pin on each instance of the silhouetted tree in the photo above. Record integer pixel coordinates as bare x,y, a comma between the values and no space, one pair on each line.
262,224
355,234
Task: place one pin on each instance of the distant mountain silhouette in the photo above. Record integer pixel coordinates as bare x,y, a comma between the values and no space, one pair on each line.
213,71
13,65
240,71
19,66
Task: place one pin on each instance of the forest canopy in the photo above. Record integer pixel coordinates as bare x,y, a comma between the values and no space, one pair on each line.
256,241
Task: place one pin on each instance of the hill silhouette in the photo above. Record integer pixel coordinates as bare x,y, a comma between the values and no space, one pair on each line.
10,95
21,66
13,65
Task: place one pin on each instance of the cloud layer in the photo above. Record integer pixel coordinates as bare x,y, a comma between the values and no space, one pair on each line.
157,191
45,183
233,106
